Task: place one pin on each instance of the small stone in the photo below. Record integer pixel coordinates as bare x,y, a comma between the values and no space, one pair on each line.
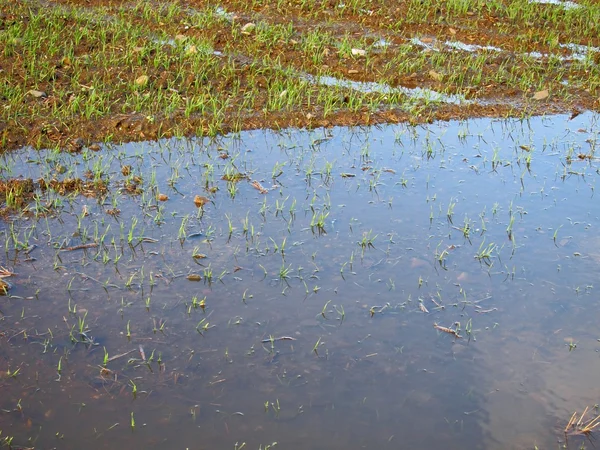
452,31
94,147
200,201
37,94
310,116
427,40
358,52
194,277
162,197
541,95
248,28
352,71
142,80
191,50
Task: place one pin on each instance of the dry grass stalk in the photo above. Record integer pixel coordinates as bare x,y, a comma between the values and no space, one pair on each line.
581,426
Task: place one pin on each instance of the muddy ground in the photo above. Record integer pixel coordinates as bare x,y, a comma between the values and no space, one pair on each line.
49,86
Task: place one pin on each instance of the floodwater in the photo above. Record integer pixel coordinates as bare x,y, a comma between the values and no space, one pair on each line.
313,324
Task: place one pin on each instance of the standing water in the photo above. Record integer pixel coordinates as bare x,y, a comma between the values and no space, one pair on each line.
379,287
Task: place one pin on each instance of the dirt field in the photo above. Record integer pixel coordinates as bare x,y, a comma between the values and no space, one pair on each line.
76,72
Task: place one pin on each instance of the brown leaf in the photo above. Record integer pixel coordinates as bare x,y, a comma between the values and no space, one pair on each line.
541,95
200,201
435,76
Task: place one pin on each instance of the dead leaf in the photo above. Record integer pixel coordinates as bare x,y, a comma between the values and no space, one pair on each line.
541,95
200,201
37,94
248,28
435,76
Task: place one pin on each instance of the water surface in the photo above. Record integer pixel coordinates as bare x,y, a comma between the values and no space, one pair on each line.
313,323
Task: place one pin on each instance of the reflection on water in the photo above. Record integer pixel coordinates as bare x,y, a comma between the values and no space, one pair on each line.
314,322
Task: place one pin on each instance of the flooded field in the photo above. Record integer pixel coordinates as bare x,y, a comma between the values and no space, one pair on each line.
376,287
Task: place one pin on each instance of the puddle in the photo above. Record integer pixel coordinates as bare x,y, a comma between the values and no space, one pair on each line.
381,43
579,52
326,259
562,4
429,45
421,94
222,13
470,47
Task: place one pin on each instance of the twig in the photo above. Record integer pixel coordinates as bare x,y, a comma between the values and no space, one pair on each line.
282,338
79,247
120,356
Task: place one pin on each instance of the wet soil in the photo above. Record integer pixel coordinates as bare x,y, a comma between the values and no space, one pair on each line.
36,121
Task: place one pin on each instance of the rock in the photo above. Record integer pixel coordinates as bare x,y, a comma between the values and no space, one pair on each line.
358,52
248,28
352,71
200,201
162,197
541,95
142,80
194,277
191,50
37,94
94,147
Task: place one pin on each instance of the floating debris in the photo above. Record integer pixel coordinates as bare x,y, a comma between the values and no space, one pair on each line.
259,187
451,331
200,201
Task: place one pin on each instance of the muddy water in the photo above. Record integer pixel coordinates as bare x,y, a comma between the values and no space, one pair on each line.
313,323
